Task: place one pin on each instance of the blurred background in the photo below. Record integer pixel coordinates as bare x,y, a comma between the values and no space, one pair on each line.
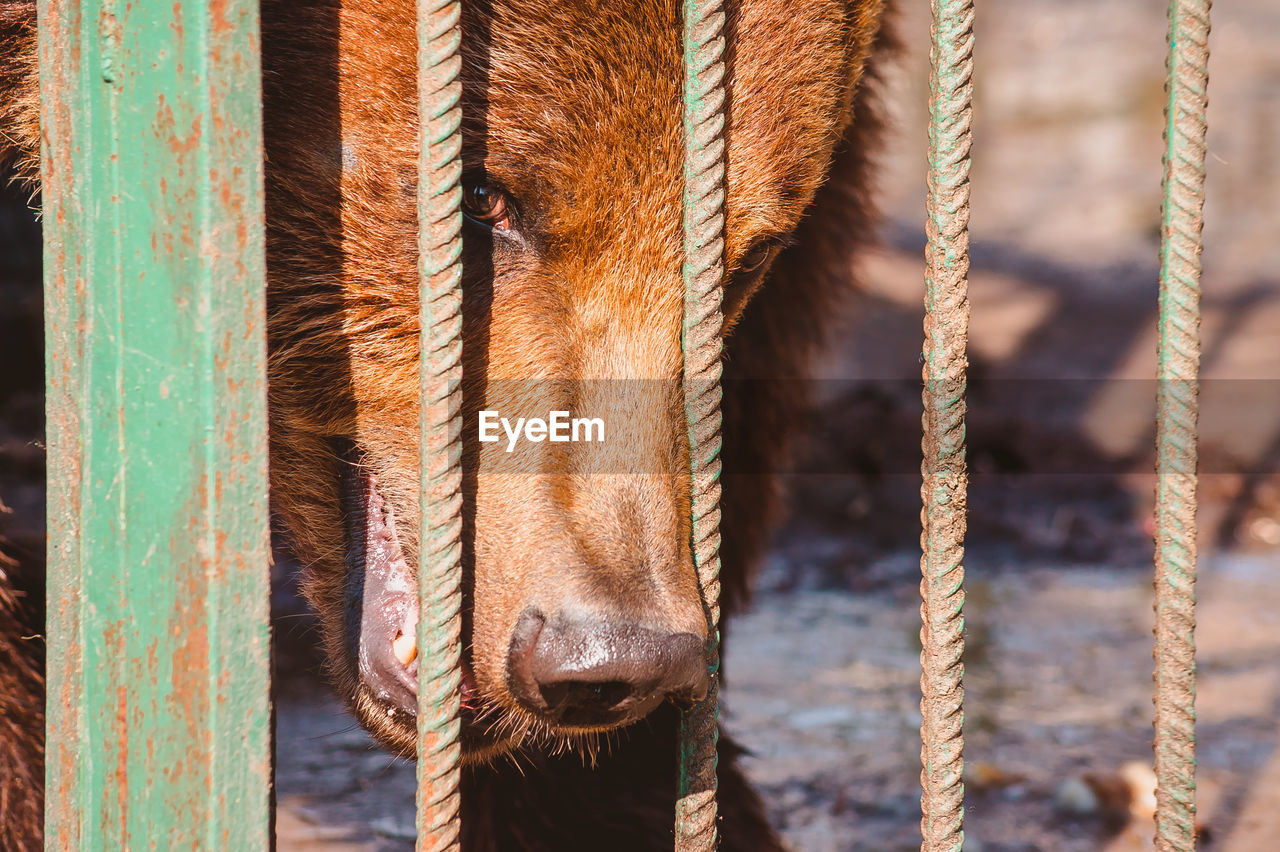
823,671
1065,228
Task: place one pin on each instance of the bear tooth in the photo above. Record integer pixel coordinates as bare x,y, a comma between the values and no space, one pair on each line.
405,647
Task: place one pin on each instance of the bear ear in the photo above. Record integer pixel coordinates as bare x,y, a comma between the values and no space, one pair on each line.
19,89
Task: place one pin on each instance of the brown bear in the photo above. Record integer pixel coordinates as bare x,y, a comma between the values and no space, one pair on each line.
583,624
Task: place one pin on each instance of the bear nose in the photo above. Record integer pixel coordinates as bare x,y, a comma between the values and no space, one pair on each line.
595,672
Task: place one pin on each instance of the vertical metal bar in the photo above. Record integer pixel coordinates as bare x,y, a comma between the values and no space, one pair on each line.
1177,410
158,723
944,478
704,170
440,395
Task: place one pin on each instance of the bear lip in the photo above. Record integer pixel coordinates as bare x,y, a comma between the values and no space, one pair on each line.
382,601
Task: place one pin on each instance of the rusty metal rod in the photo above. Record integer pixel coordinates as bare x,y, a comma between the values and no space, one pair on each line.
440,396
704,170
944,479
1177,410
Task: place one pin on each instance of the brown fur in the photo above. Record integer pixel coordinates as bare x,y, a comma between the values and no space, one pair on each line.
574,107
21,712
21,584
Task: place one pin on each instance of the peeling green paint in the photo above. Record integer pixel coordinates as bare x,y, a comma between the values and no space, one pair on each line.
158,731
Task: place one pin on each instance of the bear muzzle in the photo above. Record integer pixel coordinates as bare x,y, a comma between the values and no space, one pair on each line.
593,671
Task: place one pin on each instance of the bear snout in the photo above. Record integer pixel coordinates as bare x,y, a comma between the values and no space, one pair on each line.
591,670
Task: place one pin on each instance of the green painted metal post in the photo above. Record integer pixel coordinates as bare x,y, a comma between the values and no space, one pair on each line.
944,479
158,714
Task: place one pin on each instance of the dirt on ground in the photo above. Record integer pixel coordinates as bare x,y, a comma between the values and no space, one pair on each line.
823,685
823,672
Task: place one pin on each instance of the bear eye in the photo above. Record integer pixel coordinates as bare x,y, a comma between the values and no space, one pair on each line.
757,256
487,205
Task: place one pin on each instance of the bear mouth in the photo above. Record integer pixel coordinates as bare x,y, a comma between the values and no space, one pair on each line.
381,605
379,627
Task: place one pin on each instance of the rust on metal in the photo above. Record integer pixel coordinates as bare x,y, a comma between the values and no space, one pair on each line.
704,171
1177,411
440,396
944,479
156,403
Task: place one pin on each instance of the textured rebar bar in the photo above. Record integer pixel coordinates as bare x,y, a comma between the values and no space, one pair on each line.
440,395
944,479
704,169
1177,413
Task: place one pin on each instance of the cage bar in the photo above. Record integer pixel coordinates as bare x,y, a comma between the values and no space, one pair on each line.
1177,411
944,479
702,343
158,636
440,400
